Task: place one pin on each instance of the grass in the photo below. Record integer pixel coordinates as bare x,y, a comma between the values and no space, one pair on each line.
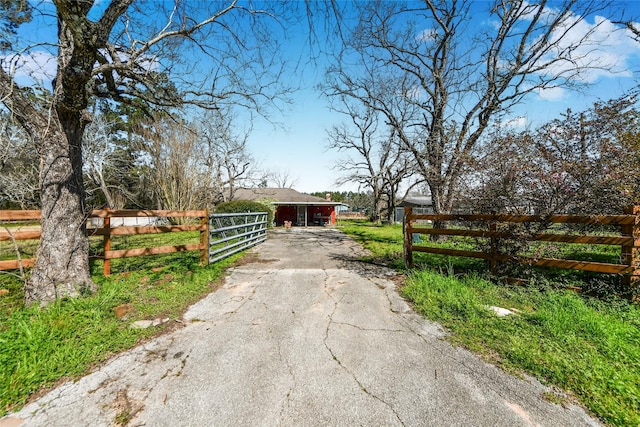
39,347
385,242
586,346
382,241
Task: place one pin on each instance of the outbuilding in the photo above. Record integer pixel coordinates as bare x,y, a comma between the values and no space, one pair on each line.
292,207
421,205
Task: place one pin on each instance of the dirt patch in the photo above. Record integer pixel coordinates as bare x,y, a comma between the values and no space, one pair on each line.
123,310
399,280
126,408
252,259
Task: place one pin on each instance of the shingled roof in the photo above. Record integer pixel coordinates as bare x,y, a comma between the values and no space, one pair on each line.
280,196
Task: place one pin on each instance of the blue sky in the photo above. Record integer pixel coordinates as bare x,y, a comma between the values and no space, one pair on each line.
300,148
298,145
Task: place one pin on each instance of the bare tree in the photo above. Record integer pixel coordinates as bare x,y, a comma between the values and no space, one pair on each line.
103,161
376,161
192,165
199,53
281,179
595,156
581,163
18,166
439,77
226,163
634,29
170,155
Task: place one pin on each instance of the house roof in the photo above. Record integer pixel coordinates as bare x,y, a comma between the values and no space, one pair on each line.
417,200
280,196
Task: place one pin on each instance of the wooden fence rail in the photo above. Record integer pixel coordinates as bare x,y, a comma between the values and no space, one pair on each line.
629,239
106,230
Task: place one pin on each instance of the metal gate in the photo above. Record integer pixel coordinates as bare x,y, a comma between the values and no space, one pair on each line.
234,232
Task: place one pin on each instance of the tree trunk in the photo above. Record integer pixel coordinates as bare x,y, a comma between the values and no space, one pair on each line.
62,264
61,268
439,207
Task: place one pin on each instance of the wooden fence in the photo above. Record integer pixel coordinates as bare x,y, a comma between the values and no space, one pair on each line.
105,230
628,240
28,234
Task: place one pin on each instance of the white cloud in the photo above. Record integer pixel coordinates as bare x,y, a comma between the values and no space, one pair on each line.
530,10
519,122
414,93
426,35
494,23
551,94
146,62
36,66
604,50
39,67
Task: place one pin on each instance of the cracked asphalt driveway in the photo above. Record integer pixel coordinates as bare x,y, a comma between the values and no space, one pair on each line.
303,336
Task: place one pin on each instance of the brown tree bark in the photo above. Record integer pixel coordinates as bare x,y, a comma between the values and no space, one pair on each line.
62,260
62,265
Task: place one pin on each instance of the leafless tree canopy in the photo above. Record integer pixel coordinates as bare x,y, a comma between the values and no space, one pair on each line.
18,166
374,158
438,76
584,162
226,161
280,179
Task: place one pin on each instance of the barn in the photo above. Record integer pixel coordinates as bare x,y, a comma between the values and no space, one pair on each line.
298,208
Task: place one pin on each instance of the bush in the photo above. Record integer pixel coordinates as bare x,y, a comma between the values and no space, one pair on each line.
239,206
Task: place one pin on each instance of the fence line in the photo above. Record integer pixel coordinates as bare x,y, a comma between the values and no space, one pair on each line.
351,215
7,234
237,235
629,240
107,231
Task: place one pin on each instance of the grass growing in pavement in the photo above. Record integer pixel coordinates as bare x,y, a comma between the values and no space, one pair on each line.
585,346
38,347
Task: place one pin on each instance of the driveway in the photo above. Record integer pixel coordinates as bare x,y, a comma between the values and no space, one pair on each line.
302,335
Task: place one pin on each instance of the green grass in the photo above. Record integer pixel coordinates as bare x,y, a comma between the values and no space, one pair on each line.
385,242
381,240
38,347
27,249
586,346
589,347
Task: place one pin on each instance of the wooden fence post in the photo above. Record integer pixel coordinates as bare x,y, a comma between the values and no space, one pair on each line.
408,237
494,245
631,254
106,225
204,240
